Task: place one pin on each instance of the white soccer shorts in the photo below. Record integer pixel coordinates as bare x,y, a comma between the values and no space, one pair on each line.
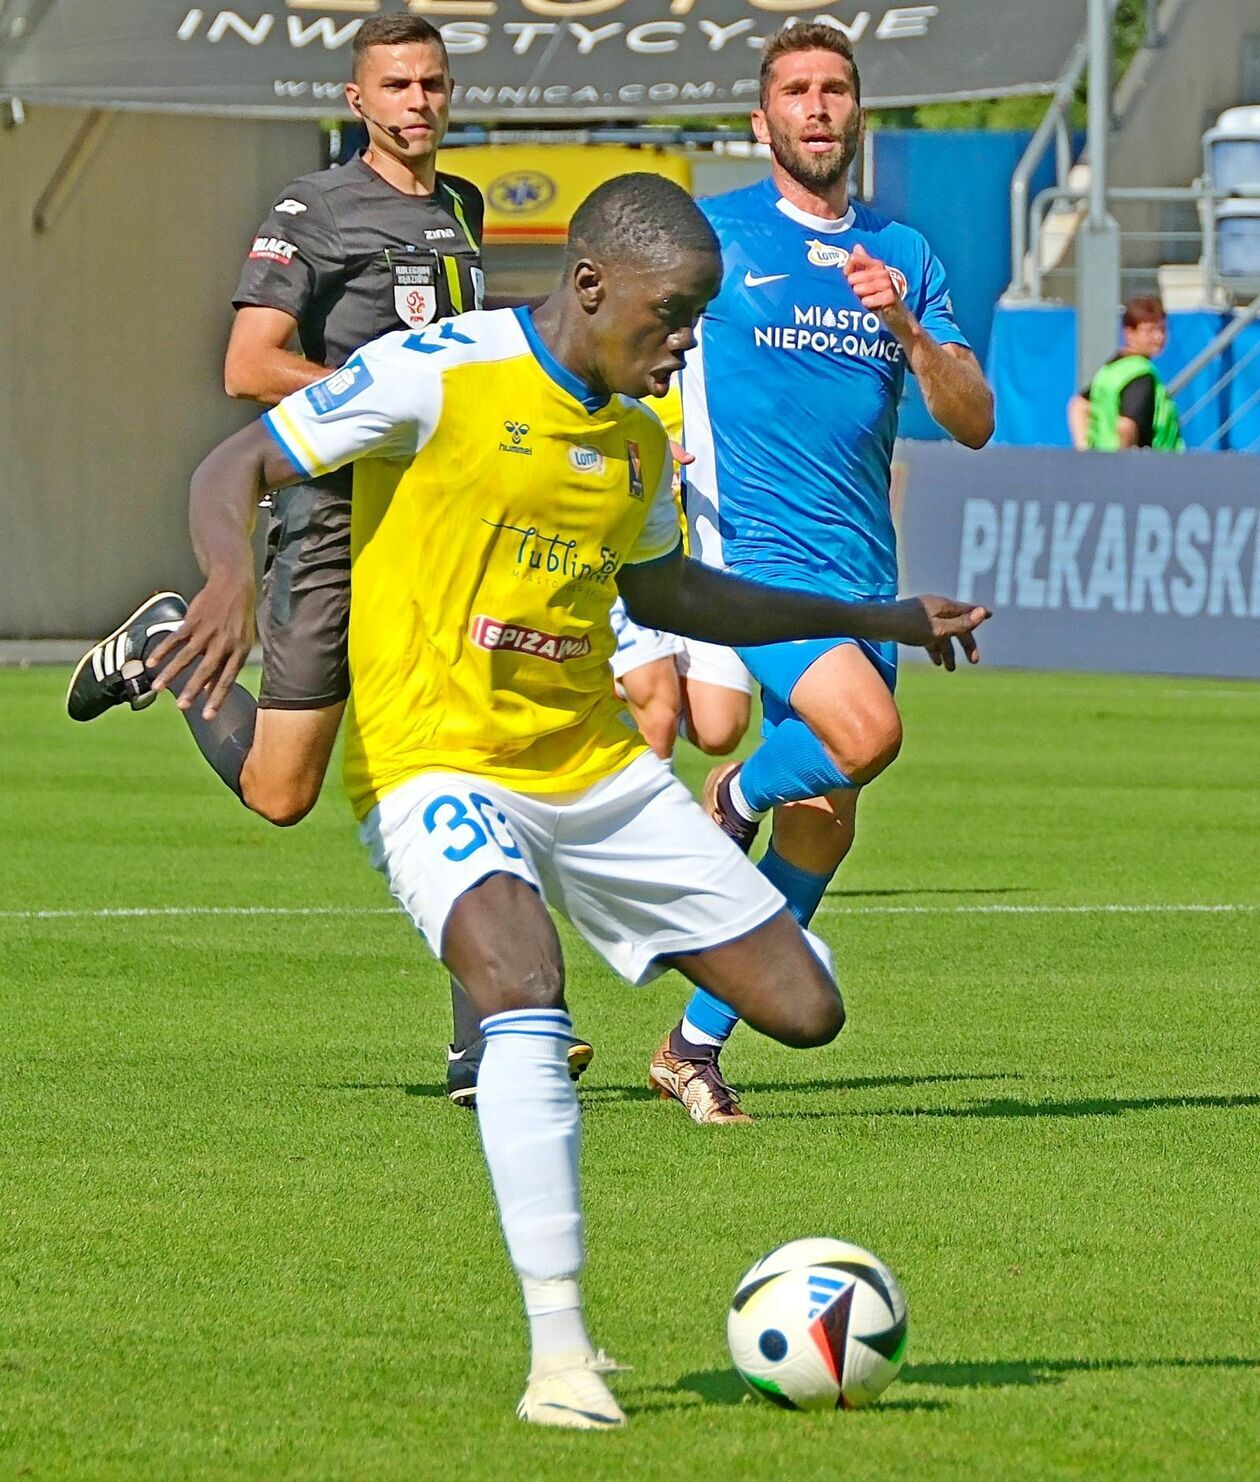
634,862
637,646
711,663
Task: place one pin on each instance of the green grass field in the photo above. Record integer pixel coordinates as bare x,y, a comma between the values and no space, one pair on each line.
243,1235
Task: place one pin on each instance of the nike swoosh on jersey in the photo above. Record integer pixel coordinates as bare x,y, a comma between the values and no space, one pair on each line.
752,281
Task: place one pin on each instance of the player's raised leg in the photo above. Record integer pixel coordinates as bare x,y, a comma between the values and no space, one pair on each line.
284,770
649,882
116,671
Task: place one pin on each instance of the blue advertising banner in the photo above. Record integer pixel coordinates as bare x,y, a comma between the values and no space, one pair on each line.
1141,562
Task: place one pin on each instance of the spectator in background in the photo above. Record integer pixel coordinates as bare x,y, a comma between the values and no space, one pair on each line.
1126,405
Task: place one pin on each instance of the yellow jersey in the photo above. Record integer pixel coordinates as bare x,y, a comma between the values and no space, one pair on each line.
669,409
495,499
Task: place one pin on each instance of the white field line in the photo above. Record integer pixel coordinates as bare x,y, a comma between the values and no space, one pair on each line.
142,912
1012,910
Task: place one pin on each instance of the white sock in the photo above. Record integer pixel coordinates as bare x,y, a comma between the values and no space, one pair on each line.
557,1330
528,1113
695,1036
741,804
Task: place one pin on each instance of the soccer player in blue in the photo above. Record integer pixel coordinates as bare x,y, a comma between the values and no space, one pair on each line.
790,409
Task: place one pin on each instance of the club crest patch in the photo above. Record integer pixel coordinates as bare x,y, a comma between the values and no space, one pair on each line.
636,469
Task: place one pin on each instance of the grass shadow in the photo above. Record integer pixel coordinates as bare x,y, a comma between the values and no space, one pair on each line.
871,1082
434,1088
1086,1107
1019,1373
1007,1107
605,1095
723,1387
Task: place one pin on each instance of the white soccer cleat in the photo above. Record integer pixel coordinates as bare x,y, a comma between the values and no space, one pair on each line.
575,1397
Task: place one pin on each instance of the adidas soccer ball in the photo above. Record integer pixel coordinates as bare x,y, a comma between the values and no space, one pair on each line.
818,1325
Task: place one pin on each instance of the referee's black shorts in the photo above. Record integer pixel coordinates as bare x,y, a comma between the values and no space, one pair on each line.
304,609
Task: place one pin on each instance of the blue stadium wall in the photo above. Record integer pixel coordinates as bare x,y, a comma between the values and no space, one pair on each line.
1032,367
955,187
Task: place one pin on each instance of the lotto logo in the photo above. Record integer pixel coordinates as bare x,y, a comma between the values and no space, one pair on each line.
586,460
824,255
488,632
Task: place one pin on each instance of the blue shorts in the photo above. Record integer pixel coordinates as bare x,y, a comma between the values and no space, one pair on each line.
777,666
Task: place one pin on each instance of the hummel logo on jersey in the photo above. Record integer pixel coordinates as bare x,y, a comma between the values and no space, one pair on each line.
518,432
289,207
822,1292
752,281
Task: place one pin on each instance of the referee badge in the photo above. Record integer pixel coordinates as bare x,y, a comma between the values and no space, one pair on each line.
636,470
415,293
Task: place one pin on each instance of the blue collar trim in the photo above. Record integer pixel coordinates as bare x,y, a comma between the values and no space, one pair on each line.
565,379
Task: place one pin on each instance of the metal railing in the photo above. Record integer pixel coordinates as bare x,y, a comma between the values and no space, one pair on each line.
1240,321
1203,197
1053,129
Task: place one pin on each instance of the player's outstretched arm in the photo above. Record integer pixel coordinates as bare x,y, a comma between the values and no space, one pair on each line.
683,596
218,632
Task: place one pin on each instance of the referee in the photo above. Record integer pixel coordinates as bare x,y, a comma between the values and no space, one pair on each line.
345,255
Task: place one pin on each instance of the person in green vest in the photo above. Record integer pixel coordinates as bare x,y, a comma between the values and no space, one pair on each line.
1126,405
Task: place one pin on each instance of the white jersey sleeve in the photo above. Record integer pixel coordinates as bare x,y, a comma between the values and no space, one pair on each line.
384,402
661,531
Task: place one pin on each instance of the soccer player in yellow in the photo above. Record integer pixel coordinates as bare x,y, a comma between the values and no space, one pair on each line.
506,488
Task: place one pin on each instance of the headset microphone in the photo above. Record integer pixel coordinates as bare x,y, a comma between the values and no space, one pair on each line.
394,129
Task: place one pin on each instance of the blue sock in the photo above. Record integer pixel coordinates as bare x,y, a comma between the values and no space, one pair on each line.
710,1016
791,764
802,889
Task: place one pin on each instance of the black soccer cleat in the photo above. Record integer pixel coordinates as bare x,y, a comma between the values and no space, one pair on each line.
112,671
715,799
463,1065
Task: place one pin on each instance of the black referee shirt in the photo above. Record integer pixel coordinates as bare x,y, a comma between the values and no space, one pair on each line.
351,258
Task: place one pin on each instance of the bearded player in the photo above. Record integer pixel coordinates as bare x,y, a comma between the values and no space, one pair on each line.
790,411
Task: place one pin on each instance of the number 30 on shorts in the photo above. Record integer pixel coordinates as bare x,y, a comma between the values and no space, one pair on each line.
468,834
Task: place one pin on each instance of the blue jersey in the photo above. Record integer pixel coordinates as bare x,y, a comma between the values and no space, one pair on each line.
790,397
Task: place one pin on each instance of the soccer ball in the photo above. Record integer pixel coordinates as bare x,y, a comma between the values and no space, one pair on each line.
818,1325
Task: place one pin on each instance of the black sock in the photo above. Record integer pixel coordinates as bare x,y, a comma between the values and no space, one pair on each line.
224,741
467,1020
